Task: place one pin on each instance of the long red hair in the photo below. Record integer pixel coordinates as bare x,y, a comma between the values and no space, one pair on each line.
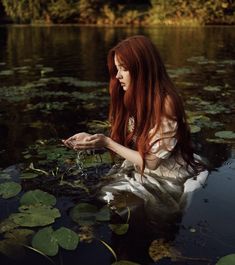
145,100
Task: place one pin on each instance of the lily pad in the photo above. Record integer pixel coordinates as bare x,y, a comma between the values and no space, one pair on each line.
6,72
45,242
29,175
35,215
9,189
212,88
37,197
225,134
84,214
194,128
227,260
66,238
48,241
119,229
88,214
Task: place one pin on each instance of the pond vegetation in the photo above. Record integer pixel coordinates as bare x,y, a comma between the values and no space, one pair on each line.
48,192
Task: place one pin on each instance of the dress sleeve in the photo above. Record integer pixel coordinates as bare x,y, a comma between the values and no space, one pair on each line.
164,140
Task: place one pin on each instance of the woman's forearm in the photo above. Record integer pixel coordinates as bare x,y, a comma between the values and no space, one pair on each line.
151,161
125,152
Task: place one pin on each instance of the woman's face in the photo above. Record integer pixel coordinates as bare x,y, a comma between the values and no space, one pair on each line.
123,75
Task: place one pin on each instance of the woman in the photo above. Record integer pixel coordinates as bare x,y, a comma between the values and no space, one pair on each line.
148,129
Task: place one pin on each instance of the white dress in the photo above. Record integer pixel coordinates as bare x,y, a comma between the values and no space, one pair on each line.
163,191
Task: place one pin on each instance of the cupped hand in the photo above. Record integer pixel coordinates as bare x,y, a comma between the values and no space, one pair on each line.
83,141
75,139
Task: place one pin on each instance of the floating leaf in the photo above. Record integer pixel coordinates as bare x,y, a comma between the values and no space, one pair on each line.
9,189
212,88
29,175
21,236
35,215
119,229
227,260
5,176
7,225
38,197
194,128
45,242
160,249
6,72
9,248
66,238
225,134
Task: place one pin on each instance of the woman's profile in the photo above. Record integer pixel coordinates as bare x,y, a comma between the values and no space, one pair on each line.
149,131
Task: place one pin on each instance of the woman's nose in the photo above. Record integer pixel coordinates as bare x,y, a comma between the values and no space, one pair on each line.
118,75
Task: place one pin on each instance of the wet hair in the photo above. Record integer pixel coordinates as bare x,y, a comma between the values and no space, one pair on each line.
150,96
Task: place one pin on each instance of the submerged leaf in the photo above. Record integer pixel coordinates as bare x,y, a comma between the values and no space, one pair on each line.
84,213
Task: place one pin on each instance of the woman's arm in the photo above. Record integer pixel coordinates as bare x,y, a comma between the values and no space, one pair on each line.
102,141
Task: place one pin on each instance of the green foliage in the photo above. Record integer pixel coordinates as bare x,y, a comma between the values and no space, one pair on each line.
9,189
48,241
35,197
227,260
112,12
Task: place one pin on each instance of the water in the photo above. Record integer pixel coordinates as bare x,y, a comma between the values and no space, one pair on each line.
54,80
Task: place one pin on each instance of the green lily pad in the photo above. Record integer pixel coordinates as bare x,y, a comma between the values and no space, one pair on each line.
29,175
66,238
225,134
48,241
7,225
21,236
45,242
5,176
6,72
220,140
194,128
38,197
9,189
35,215
212,88
227,260
119,229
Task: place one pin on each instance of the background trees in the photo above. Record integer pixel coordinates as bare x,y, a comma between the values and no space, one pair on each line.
145,12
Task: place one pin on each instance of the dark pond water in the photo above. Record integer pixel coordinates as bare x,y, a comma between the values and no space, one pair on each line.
53,83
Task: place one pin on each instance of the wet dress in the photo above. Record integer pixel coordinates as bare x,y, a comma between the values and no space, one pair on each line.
163,191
